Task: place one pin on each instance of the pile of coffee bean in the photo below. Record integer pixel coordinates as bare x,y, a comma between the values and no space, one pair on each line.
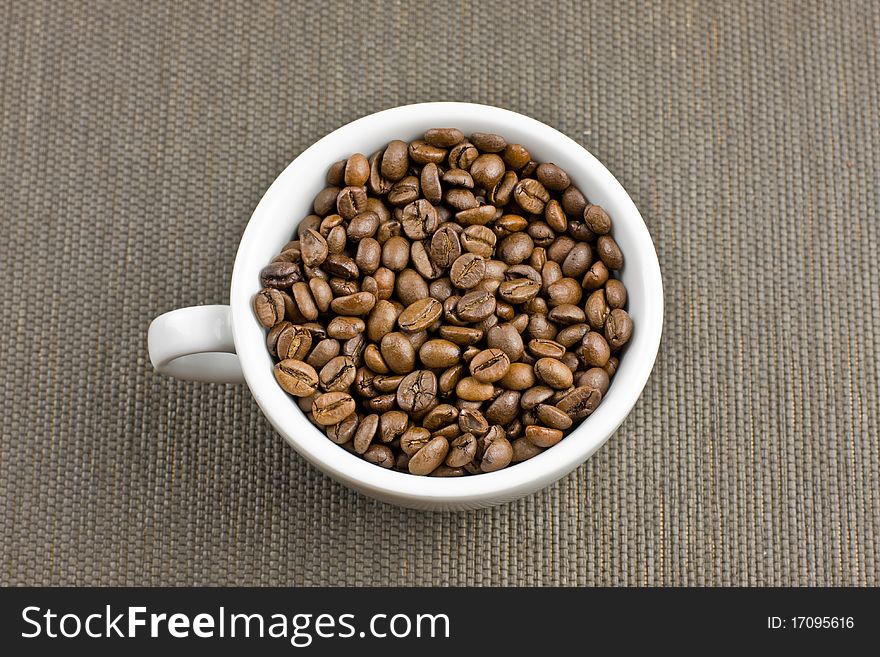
449,308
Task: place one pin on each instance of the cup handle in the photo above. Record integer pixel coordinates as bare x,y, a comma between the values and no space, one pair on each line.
195,344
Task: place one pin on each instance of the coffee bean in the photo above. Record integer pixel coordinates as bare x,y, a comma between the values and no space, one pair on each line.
543,436
398,352
524,449
554,373
365,433
280,275
578,261
404,192
336,173
420,315
413,439
356,304
580,402
506,338
496,455
519,290
461,335
338,374
488,142
541,348
461,199
362,225
458,178
516,156
573,202
615,294
552,417
595,349
552,177
487,170
471,389
395,253
325,201
357,170
467,270
475,306
565,290
410,287
429,457
314,248
462,450
444,137
489,365
618,329
462,156
296,377
378,184
439,353
476,216
419,220
429,180
422,152
519,377
269,307
332,407
515,248
351,201
531,195
392,424
597,309
344,431
566,314
380,455
387,383
395,160
555,217
382,320
595,377
294,342
609,252
478,240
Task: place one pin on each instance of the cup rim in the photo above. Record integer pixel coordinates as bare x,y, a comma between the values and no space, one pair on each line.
519,478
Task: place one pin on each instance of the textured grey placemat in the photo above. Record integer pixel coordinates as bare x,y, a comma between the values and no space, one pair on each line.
135,139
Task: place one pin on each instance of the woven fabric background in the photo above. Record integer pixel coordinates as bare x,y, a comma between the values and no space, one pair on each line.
136,138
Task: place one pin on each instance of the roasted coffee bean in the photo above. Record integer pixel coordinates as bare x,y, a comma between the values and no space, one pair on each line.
439,353
597,309
573,202
506,338
470,389
578,261
422,152
609,252
269,307
524,449
565,290
404,192
441,289
413,439
554,373
566,314
395,160
515,248
392,424
597,219
504,408
362,225
476,216
395,253
462,156
445,246
378,184
398,352
488,142
410,287
325,201
273,335
535,395
497,454
387,382
420,315
519,290
450,378
559,250
543,436
615,294
332,407
314,248
342,432
501,194
489,365
552,177
467,270
541,348
478,240
419,219
336,173
356,304
595,350
357,170
475,306
280,275
294,342
382,320
531,195
429,179
381,403
487,170
555,217
595,377
338,374
552,417
611,366
461,335
462,450
444,137
296,377
471,420
460,199
580,402
516,156
618,328
520,376
429,457
323,352
458,178
365,433
351,201
380,455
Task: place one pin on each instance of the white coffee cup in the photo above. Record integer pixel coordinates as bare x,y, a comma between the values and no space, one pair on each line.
226,344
